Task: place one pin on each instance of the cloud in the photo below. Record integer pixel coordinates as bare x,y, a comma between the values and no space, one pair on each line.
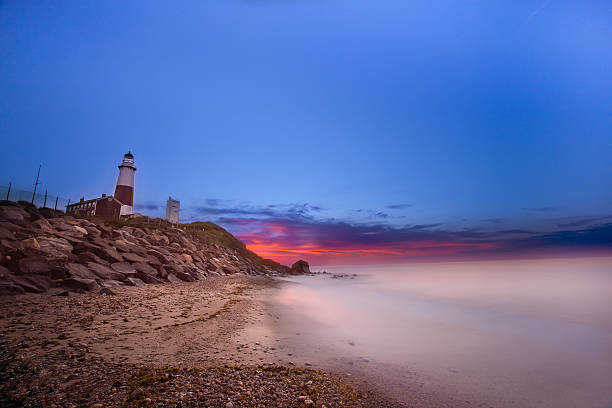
224,208
516,231
288,232
493,220
399,206
595,236
146,207
541,209
582,222
425,226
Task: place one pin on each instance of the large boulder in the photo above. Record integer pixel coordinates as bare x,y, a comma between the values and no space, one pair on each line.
85,257
43,225
172,269
88,285
185,277
54,248
13,214
124,268
32,266
134,258
99,248
134,282
76,270
145,268
33,283
104,272
300,267
172,278
111,283
6,231
148,278
161,258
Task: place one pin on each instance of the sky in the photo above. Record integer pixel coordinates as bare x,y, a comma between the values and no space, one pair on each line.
341,132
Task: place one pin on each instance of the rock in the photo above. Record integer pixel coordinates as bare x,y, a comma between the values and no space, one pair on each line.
50,213
76,270
172,278
14,214
145,268
187,258
32,283
10,288
185,277
104,272
300,267
163,259
106,292
124,268
61,293
230,269
80,230
229,405
136,393
55,248
32,266
43,225
148,278
85,257
4,272
134,282
30,243
91,230
99,248
111,283
78,283
6,233
308,402
130,257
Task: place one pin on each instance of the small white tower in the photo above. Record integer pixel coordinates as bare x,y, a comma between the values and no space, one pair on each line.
172,210
124,192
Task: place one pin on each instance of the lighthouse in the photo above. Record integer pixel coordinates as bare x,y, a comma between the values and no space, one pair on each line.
124,192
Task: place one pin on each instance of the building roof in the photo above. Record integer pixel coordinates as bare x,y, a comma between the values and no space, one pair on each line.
92,200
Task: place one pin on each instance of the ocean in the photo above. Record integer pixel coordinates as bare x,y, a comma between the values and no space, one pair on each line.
521,333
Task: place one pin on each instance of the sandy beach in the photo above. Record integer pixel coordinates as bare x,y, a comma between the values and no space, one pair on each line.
204,343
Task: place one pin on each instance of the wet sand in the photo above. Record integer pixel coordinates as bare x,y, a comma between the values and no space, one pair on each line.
291,338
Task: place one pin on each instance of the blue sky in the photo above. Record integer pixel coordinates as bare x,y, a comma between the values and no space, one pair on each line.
390,112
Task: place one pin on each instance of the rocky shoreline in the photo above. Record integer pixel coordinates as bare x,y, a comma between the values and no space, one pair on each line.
173,345
43,250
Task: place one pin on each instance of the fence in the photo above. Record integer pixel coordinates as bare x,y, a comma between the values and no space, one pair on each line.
40,199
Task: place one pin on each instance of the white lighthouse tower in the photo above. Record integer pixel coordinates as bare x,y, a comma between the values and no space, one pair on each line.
124,192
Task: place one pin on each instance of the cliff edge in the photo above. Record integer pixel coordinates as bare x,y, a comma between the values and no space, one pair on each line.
43,249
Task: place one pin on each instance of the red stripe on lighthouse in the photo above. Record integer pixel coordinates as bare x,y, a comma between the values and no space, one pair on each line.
125,195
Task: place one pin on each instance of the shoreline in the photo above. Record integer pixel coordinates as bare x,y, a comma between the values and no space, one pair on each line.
159,345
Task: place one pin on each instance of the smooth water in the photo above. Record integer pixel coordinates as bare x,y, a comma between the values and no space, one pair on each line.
534,333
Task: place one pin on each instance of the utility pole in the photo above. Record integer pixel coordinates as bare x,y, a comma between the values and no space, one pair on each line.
56,198
8,194
36,184
45,204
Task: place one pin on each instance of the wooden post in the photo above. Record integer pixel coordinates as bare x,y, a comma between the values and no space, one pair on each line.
36,184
